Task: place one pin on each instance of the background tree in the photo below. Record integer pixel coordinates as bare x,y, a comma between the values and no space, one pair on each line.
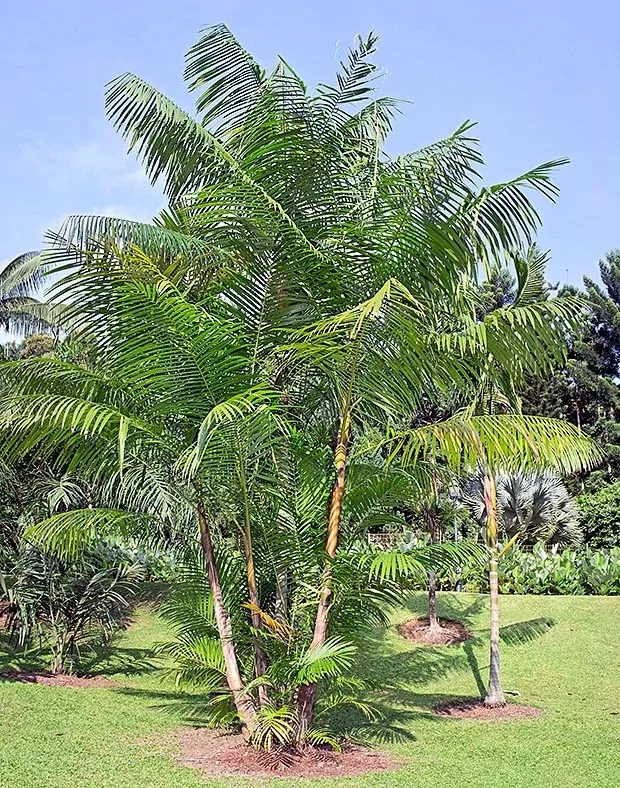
585,391
22,282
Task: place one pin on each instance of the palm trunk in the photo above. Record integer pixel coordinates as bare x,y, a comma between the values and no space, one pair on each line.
306,693
58,664
243,704
260,658
433,621
495,695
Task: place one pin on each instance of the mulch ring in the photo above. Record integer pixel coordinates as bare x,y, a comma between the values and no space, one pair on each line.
419,631
60,680
218,754
474,709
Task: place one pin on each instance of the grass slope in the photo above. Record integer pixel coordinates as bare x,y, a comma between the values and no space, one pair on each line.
559,653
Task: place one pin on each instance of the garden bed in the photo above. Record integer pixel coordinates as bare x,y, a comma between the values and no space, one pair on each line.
418,630
217,754
474,709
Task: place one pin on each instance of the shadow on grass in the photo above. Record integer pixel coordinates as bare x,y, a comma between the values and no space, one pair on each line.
109,660
103,659
403,670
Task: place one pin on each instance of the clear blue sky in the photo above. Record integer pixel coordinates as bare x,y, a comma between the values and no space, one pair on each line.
540,77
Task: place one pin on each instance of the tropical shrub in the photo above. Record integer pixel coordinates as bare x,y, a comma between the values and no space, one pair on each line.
599,514
541,571
65,606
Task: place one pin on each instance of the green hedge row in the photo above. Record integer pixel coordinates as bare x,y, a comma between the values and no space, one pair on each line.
571,571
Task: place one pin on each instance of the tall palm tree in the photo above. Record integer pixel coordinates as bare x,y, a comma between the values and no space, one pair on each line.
532,292
300,282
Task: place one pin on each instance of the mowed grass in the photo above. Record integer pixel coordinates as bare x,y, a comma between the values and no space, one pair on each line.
559,653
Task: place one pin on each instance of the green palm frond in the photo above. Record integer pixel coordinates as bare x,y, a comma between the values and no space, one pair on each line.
531,281
69,533
329,659
415,565
22,284
227,76
502,440
354,81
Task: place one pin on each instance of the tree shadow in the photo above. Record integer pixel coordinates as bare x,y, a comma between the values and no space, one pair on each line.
402,672
188,708
101,658
109,659
472,661
525,631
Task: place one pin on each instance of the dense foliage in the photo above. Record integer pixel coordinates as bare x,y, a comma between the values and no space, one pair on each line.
543,571
585,391
66,605
268,362
599,513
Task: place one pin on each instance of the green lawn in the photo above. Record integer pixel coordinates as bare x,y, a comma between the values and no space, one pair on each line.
565,659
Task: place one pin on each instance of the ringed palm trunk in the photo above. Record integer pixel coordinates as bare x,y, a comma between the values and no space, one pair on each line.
243,704
495,694
307,692
260,658
433,621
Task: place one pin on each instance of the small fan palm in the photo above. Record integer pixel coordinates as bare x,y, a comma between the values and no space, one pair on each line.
533,506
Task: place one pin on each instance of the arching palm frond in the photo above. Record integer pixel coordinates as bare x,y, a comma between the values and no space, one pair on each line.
509,439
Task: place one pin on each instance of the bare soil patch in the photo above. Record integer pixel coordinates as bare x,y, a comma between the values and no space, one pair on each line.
419,631
218,754
65,680
474,709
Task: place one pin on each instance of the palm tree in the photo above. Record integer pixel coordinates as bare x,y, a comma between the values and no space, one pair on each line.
301,283
21,280
532,506
532,292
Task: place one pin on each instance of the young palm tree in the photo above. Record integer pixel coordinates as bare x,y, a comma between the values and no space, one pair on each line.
300,282
532,291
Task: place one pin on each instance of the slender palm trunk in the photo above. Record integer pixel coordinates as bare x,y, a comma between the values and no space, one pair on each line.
243,704
58,663
306,693
433,621
260,658
495,694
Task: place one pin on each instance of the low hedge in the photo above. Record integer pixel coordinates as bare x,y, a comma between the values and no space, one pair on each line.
571,571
